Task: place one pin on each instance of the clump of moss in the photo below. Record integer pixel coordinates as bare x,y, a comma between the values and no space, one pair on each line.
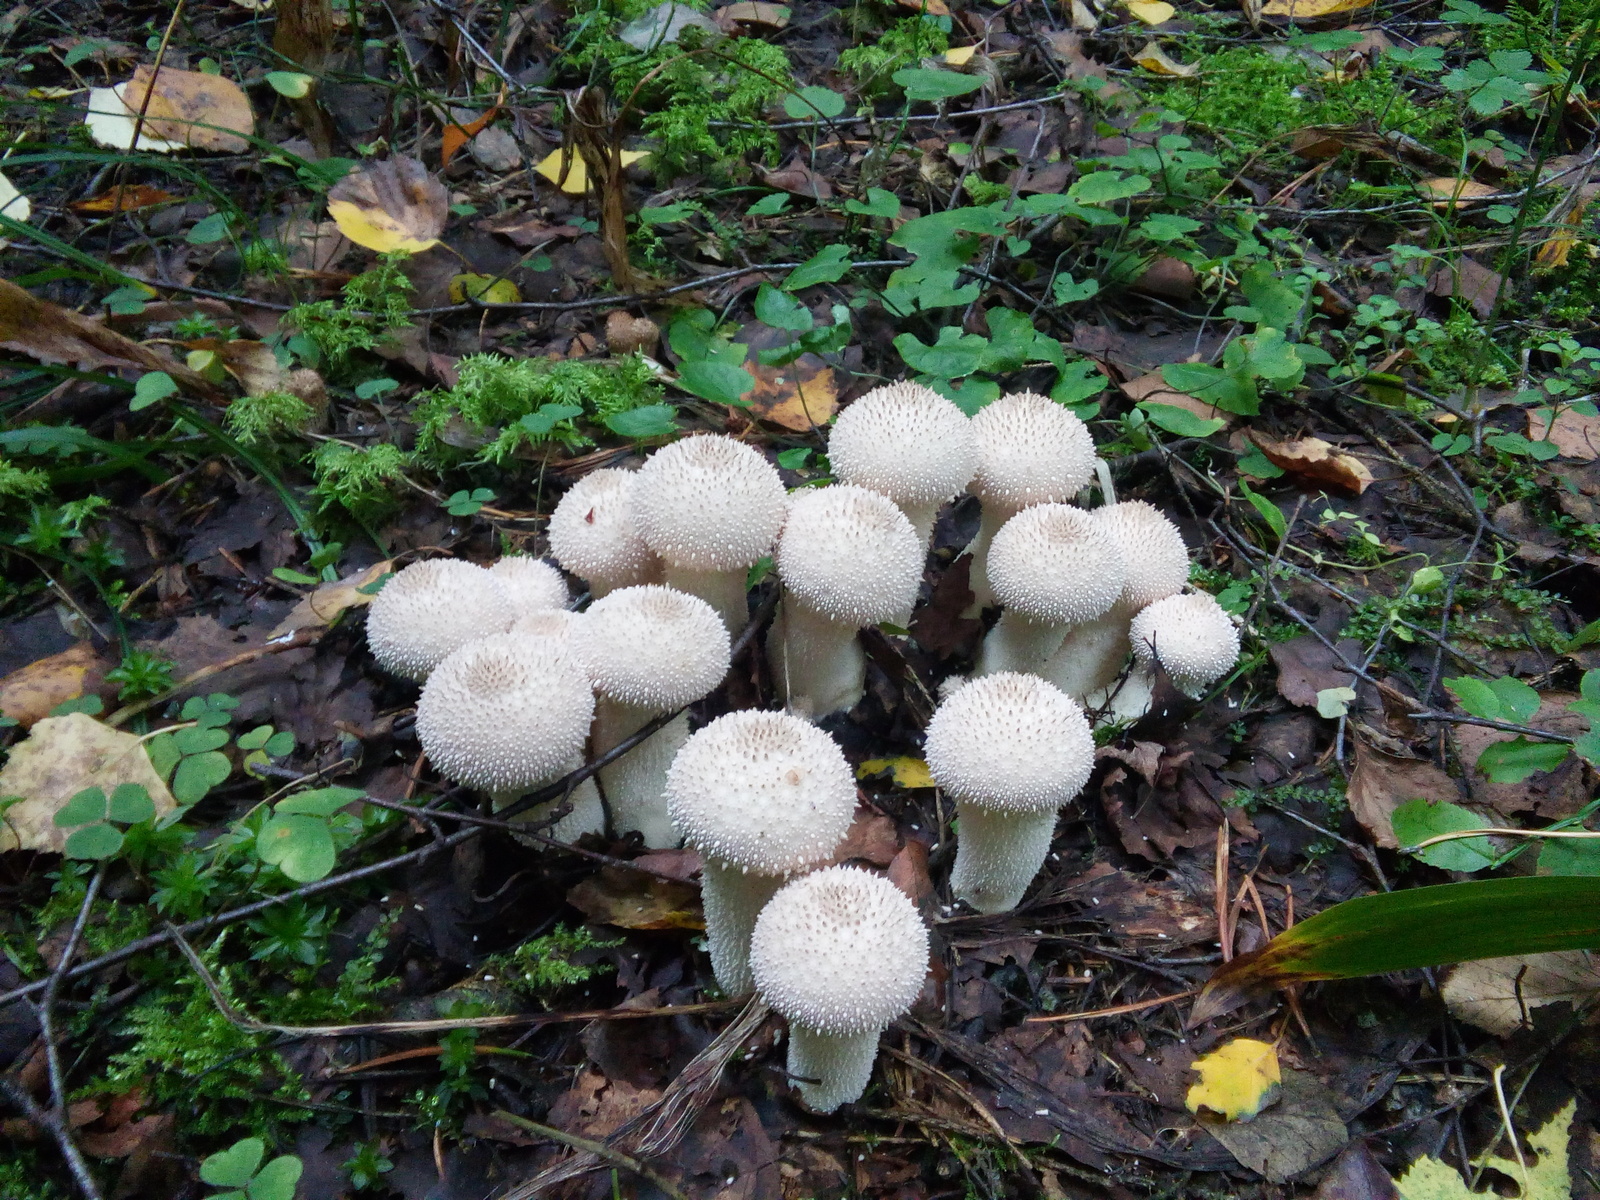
372,305
256,419
902,44
362,480
20,483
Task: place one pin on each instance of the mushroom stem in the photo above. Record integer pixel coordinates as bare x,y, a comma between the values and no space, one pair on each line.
998,854
839,1063
922,517
1019,644
588,813
723,590
732,900
635,785
992,516
817,663
1090,657
1125,700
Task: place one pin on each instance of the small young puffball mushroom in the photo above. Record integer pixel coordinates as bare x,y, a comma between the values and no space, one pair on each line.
430,609
1011,750
1090,658
594,535
648,650
761,795
838,953
1053,567
710,507
1193,639
848,558
531,584
910,444
1031,450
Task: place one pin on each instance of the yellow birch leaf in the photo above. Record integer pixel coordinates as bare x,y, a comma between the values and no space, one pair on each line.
907,772
486,289
1310,10
1549,1178
1237,1080
577,180
1151,12
960,56
388,205
1153,58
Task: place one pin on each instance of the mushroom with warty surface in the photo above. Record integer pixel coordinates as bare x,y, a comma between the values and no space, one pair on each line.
710,507
848,558
648,650
594,535
1156,562
531,584
762,796
432,608
908,443
1011,750
1193,639
1031,450
1053,567
839,953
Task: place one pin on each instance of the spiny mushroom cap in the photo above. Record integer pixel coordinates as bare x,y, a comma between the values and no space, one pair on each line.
1031,450
905,441
839,951
549,627
593,533
652,646
504,713
708,503
531,584
1192,636
765,791
1011,743
1055,563
1152,548
430,609
849,553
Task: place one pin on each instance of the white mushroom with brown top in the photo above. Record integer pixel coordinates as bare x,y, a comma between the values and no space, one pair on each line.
648,650
430,609
762,796
1010,750
1031,450
710,507
908,443
531,584
848,558
839,953
594,535
1190,636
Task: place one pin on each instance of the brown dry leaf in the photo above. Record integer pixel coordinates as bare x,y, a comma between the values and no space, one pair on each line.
932,8
1469,280
1311,10
525,230
1066,45
61,757
633,900
126,198
313,246
798,396
1381,783
1447,192
1154,388
1498,994
751,12
1301,1130
1549,794
457,136
31,693
332,600
794,176
626,333
393,204
872,837
1315,463
1155,60
191,108
1574,434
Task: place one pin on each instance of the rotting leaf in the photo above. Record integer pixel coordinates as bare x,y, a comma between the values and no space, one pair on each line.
390,205
31,693
193,109
1156,60
800,395
110,123
1546,1177
1312,462
634,900
1237,1080
332,600
128,197
1498,994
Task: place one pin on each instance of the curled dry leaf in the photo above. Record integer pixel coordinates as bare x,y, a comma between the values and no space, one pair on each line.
458,135
61,757
31,693
1312,462
129,197
634,900
1154,59
1499,994
390,205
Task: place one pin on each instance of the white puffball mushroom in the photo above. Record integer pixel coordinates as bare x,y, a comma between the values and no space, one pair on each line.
594,535
908,443
839,953
1011,750
1031,450
1193,639
761,795
1052,567
531,584
848,558
430,609
647,650
710,506
1156,563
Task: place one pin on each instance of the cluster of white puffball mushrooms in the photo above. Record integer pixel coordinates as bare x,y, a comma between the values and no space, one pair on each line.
517,688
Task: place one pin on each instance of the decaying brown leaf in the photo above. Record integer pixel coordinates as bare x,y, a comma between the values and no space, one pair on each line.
31,693
191,108
798,395
751,12
1381,783
392,204
634,900
1154,388
1314,463
1499,994
794,176
126,198
332,600
1574,434
1447,193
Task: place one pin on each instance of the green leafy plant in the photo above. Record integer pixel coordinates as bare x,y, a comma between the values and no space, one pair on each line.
94,818
141,673
239,1168
302,836
191,759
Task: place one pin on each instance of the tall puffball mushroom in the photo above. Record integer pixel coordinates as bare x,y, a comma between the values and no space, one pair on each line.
1193,639
1053,567
848,558
908,443
1031,450
710,507
430,609
839,953
1011,750
762,796
1090,658
648,650
594,535
531,584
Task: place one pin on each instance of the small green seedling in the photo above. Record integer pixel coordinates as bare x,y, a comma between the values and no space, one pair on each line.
239,1169
98,816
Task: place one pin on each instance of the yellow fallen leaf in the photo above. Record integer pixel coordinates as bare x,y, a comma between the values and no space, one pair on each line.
960,56
1237,1080
1154,59
1151,12
1308,10
907,772
30,693
389,205
577,180
486,289
1449,192
1548,1178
